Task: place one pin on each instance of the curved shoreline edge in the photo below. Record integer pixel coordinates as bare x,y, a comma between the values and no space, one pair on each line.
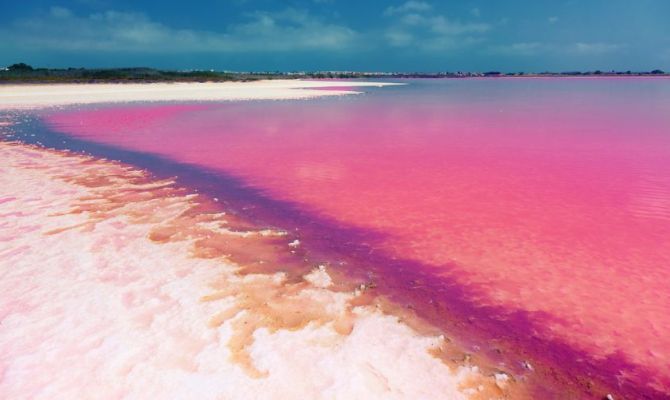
99,272
330,84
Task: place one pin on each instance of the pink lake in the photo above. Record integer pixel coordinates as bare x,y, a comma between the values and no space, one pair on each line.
548,197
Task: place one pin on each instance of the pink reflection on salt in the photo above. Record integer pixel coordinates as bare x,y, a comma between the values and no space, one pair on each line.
549,196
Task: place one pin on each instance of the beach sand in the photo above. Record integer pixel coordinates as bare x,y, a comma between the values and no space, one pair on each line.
107,292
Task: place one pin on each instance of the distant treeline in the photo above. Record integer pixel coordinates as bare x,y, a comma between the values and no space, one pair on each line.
21,72
337,74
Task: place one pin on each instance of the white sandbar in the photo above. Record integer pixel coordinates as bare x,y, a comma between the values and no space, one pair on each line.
44,95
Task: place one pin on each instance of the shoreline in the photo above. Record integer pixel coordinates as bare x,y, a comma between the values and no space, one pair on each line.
407,320
92,235
90,243
529,364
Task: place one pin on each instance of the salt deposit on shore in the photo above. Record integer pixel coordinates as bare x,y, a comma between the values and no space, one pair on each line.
98,301
32,96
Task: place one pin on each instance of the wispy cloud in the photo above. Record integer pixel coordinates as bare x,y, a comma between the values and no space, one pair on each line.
414,24
399,38
552,20
519,49
410,6
288,30
595,48
537,48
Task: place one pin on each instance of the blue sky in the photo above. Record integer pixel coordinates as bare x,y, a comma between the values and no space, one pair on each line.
416,35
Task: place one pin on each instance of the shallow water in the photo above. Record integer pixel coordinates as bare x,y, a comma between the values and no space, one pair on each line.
548,198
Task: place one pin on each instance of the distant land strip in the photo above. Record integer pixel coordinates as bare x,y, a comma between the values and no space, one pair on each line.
21,72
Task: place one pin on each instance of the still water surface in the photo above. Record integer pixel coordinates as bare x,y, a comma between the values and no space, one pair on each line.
548,196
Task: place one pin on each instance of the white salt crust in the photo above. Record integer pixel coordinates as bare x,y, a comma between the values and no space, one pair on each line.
47,95
103,312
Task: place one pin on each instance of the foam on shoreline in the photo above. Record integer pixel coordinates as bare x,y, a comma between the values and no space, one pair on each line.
48,95
117,285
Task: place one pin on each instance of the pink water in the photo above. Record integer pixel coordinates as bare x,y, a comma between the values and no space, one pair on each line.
548,196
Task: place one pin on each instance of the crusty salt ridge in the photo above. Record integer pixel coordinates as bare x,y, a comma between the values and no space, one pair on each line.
95,305
45,95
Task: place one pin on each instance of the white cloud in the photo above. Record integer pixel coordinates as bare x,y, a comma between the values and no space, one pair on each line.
537,48
410,6
595,48
433,32
519,49
399,38
288,30
552,20
442,25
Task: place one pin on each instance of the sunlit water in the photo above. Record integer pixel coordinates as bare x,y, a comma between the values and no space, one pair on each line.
548,197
